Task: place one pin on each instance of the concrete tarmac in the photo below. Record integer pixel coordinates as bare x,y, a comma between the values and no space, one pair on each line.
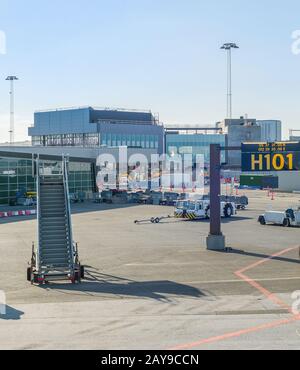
156,286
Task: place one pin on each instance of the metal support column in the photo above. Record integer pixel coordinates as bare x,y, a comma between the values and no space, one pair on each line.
215,239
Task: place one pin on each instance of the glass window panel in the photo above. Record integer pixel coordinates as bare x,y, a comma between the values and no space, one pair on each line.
133,140
147,142
152,142
3,165
138,140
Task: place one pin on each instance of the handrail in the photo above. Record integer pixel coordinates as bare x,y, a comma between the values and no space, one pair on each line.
68,208
38,190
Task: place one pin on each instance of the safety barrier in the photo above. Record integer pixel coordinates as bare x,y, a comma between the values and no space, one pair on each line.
28,212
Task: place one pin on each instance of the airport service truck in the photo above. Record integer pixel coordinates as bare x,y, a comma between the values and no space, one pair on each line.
200,209
288,218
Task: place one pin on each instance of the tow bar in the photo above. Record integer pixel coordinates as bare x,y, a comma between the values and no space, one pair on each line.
153,220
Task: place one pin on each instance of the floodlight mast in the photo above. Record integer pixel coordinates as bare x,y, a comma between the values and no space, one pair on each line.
12,79
228,47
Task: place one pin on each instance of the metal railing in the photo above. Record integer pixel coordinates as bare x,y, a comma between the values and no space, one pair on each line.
36,171
108,109
68,209
124,122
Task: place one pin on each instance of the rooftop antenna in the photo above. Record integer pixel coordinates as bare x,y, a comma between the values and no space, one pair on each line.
12,79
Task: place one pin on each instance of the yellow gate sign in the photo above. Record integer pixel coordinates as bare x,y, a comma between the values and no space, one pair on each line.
265,157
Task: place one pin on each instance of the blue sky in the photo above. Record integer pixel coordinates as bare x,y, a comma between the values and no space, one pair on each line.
161,55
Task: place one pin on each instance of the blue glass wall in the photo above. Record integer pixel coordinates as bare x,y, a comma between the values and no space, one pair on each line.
194,144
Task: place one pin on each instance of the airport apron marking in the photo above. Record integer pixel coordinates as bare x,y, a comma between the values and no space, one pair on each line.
272,297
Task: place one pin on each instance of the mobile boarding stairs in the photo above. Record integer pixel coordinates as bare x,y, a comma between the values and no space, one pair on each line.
55,257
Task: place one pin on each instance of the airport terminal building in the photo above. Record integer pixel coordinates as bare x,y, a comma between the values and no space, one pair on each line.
85,133
92,127
16,167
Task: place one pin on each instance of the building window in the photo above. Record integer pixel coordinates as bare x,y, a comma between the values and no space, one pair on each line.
108,139
152,142
133,140
114,139
119,140
91,140
138,140
147,142
186,150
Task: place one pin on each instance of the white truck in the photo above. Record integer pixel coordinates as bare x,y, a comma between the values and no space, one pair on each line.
200,209
288,218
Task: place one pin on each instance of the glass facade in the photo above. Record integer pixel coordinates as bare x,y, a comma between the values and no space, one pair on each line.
83,140
194,144
80,177
16,176
135,141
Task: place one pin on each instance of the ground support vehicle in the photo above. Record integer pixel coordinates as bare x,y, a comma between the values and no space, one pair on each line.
200,209
288,218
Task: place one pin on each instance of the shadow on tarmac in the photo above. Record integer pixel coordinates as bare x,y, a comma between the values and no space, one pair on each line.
262,256
235,218
96,282
11,314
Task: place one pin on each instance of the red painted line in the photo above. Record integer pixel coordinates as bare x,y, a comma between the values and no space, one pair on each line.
271,325
260,262
272,297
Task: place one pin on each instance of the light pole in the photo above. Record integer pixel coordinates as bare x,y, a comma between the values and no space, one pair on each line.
12,79
228,47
